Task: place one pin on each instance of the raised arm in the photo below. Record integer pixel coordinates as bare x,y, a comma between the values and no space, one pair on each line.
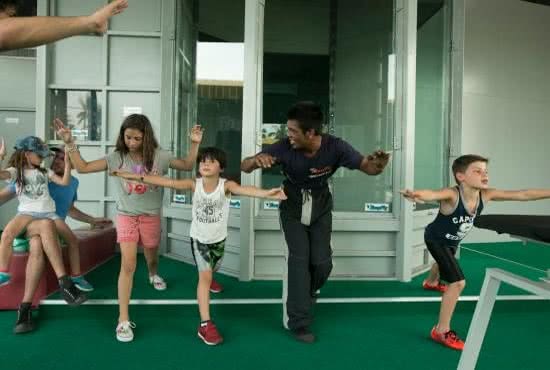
80,165
422,196
517,195
66,178
25,32
167,182
187,163
252,191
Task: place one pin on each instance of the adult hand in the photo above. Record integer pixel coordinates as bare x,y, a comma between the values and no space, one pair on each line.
100,19
264,160
101,222
379,159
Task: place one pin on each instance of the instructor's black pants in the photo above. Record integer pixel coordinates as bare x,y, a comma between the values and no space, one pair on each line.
309,263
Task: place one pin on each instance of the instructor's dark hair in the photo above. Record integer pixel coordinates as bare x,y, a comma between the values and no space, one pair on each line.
462,163
308,115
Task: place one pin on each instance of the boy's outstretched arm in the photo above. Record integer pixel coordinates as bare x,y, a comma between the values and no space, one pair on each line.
422,196
252,191
518,195
167,182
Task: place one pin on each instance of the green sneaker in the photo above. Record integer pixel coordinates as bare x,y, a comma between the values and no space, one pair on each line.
82,284
20,245
4,278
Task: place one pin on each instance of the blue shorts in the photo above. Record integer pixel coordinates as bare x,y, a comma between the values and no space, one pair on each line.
40,215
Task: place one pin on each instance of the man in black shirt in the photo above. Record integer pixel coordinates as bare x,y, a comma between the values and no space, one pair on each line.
308,159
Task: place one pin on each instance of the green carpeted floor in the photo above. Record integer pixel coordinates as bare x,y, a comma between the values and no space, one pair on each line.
350,336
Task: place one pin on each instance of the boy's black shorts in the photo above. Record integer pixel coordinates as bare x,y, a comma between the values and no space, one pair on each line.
444,255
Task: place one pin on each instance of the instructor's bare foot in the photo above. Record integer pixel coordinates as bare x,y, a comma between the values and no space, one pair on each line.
100,19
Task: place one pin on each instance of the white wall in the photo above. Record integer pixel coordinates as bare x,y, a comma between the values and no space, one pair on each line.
17,116
18,82
506,98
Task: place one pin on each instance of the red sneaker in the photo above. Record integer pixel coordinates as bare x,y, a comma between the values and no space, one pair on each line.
215,287
442,288
209,334
449,339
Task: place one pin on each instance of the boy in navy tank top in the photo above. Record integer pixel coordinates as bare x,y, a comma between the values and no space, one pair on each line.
458,207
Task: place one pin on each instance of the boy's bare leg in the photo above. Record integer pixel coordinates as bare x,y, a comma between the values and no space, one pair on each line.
25,32
203,294
448,304
433,277
13,228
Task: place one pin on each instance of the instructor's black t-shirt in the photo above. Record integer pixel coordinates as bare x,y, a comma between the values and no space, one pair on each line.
302,172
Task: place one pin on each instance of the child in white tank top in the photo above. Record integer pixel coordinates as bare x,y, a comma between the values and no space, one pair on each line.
211,195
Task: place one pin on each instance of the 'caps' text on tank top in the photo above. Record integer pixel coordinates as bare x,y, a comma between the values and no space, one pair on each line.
451,229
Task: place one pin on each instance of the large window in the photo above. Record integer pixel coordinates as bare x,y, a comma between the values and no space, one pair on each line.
432,97
184,96
210,69
80,110
341,59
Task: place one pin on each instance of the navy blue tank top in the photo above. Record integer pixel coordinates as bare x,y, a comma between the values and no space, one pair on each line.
451,229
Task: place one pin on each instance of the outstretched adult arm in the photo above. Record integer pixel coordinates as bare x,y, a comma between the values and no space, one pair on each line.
25,32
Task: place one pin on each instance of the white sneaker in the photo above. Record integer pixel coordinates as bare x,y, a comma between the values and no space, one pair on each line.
157,282
124,331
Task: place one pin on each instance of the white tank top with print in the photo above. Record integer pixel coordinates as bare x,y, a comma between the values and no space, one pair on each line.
210,213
